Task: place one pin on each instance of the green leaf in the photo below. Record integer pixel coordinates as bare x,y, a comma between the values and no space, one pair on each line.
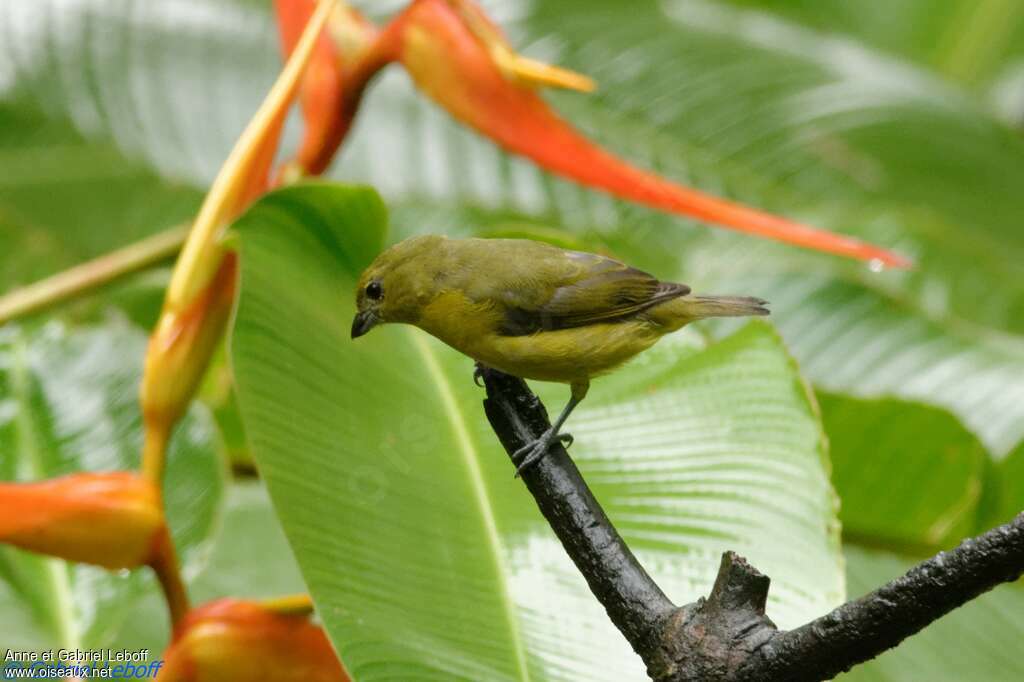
1004,492
854,341
69,403
964,40
427,560
908,475
978,641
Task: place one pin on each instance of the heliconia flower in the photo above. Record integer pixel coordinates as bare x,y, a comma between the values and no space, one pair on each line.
459,58
200,294
113,520
245,174
178,353
342,64
235,640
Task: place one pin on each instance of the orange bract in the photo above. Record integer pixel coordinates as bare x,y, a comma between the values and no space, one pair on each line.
234,640
178,354
112,520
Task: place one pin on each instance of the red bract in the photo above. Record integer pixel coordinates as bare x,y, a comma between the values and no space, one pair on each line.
343,61
233,640
460,59
112,520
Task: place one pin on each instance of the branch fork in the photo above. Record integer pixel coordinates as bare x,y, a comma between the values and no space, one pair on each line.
728,635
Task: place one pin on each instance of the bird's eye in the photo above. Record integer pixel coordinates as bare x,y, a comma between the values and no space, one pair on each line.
374,291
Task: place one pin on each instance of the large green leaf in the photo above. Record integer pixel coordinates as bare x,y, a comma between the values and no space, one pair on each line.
426,558
68,403
908,475
978,641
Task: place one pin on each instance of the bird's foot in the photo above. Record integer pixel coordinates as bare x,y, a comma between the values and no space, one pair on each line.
478,373
528,455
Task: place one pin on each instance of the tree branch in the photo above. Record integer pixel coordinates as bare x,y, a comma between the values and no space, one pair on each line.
728,636
635,603
863,628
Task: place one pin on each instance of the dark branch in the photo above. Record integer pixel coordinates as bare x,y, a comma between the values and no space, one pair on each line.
634,602
728,636
862,629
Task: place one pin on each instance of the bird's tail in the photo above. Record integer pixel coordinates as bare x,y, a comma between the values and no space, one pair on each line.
678,312
700,307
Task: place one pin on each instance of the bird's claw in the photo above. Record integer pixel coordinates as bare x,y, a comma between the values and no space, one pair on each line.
478,374
532,452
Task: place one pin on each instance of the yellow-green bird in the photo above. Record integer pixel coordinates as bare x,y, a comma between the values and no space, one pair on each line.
531,309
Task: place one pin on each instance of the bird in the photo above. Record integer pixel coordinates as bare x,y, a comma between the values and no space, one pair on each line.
531,309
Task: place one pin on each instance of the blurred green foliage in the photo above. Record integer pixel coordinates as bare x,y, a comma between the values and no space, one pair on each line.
890,121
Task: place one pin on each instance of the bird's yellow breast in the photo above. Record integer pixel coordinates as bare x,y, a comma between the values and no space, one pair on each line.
564,355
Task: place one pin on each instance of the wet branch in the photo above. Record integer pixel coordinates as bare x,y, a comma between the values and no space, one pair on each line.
728,636
633,600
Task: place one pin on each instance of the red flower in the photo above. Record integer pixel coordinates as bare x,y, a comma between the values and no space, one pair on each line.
343,61
459,58
234,640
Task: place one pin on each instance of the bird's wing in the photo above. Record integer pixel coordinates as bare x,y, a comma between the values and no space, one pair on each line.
586,288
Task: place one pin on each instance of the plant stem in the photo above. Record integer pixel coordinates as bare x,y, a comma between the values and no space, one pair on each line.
92,274
165,565
154,451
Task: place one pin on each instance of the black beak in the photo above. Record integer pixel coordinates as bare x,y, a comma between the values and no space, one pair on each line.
362,323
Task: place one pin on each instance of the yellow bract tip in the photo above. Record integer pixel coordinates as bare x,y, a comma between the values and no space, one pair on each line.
293,605
538,73
515,66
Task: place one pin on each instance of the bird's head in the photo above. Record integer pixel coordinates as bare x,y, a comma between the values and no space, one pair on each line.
399,283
